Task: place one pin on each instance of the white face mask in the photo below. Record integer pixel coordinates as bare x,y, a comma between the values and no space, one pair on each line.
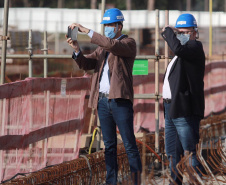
183,38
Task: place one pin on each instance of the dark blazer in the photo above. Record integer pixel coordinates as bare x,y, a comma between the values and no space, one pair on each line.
186,77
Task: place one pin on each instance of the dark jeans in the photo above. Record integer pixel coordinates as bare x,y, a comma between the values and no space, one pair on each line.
181,134
112,113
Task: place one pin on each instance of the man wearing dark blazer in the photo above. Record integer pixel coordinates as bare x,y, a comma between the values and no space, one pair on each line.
183,92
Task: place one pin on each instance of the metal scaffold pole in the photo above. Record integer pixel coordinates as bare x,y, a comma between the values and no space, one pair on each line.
4,40
30,53
210,28
98,121
3,64
102,14
166,45
53,56
157,82
45,49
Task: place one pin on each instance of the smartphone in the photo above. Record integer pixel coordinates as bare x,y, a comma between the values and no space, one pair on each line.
72,33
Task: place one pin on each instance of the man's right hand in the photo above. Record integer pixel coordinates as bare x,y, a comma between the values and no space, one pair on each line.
73,44
173,28
80,28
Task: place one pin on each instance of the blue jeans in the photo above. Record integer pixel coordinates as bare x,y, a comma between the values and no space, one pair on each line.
112,113
181,134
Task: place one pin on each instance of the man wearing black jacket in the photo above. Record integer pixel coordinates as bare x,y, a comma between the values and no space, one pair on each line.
183,92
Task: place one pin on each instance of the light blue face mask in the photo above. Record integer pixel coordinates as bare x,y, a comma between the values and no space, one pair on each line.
183,38
109,31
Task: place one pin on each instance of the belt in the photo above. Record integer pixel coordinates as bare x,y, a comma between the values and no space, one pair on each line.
167,100
102,95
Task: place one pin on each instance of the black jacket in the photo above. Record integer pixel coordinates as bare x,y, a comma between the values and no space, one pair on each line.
186,77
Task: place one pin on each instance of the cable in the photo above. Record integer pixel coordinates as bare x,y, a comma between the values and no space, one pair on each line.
90,170
93,138
24,174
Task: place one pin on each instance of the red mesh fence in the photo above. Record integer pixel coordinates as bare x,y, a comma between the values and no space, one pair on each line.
90,169
214,89
41,123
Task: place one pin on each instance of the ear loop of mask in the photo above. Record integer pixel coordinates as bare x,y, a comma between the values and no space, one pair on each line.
197,33
116,28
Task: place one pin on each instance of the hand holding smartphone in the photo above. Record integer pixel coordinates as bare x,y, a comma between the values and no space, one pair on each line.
72,33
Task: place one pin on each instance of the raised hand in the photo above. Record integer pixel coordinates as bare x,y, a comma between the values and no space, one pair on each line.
80,27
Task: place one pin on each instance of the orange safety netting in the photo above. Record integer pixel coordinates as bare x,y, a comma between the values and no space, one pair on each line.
215,87
42,119
214,90
41,123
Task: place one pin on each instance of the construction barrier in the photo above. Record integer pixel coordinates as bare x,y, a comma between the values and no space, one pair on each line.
90,169
215,87
42,119
214,90
41,123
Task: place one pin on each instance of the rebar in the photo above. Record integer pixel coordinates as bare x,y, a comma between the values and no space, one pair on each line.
91,168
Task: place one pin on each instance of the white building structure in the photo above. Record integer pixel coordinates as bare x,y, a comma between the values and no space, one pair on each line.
57,20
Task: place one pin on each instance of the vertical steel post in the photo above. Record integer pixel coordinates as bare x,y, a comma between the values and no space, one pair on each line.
2,133
30,52
93,4
137,38
57,40
166,64
47,94
98,136
102,14
4,42
188,5
143,158
224,5
30,129
206,5
47,98
45,49
3,118
210,28
128,5
157,81
166,45
91,122
98,121
30,74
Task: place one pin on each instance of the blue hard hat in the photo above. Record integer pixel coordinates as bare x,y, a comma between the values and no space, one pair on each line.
112,15
186,20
